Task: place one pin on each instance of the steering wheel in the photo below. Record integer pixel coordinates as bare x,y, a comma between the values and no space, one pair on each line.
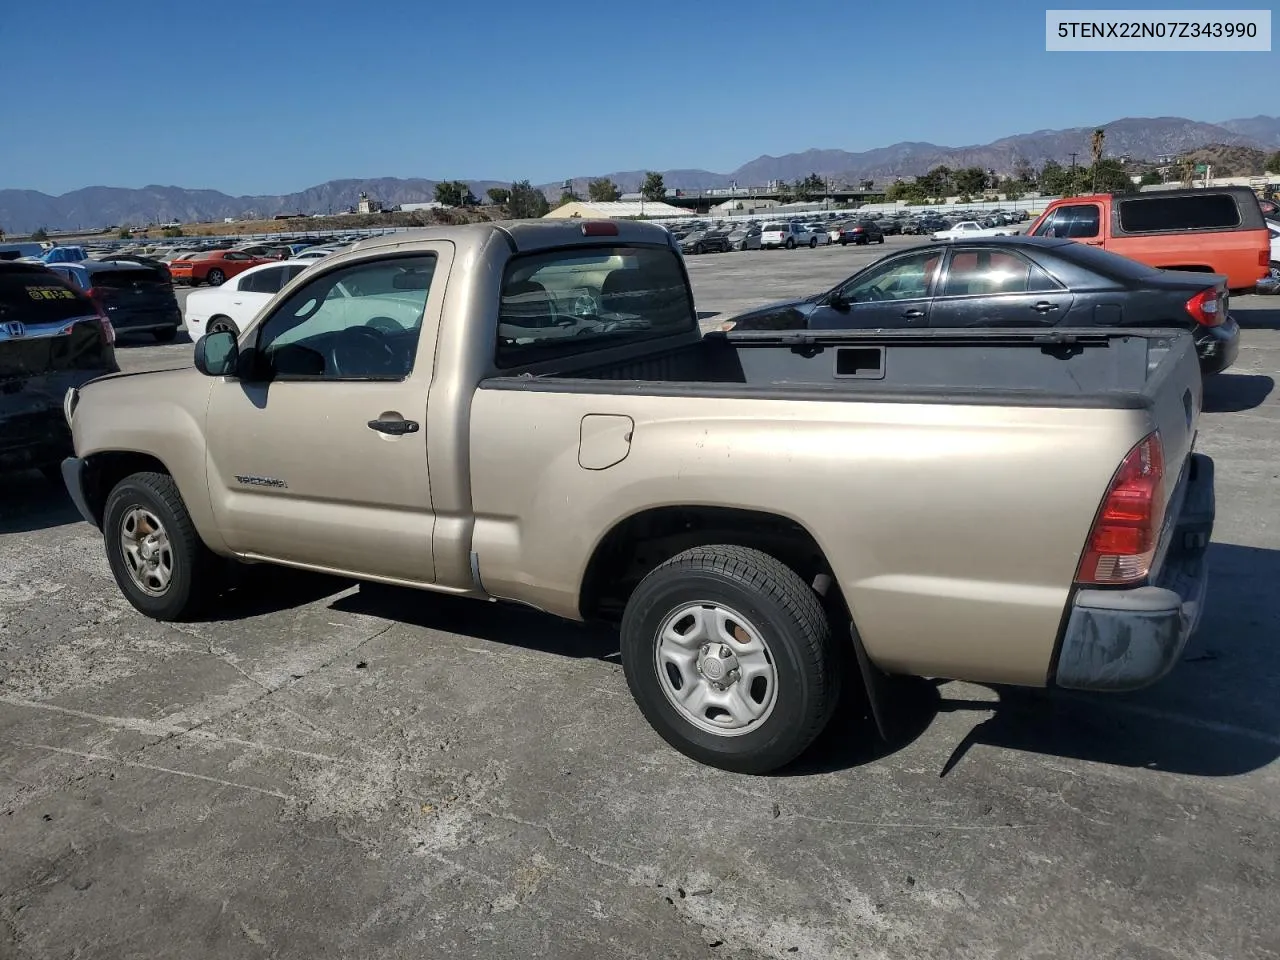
874,293
361,352
585,305
384,325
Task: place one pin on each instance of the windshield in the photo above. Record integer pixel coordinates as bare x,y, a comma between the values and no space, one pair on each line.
565,302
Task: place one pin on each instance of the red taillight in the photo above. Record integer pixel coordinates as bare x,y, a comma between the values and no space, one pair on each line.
1204,307
599,228
1264,257
108,331
1126,531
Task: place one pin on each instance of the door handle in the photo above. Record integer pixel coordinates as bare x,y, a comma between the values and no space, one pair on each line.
1094,243
912,314
1044,306
396,428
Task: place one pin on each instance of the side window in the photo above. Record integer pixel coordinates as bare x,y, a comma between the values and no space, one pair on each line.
988,272
290,272
1076,221
259,282
1207,211
904,278
361,322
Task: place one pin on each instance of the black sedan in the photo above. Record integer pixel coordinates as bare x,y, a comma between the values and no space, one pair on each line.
703,241
1015,282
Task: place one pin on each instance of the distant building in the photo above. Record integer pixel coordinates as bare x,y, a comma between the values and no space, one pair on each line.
617,210
428,205
368,206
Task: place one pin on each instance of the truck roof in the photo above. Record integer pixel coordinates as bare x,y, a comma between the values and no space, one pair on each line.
524,235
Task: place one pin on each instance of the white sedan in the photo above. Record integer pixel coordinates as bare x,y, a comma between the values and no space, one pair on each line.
969,229
233,304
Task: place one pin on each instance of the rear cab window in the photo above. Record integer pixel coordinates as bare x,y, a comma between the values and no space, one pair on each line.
1212,211
38,297
561,303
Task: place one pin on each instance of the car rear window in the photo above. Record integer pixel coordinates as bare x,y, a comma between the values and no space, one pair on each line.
34,297
564,302
124,279
1212,211
775,228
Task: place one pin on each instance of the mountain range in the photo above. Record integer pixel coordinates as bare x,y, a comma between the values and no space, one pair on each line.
22,211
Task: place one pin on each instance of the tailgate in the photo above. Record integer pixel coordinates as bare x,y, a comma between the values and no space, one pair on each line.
1175,390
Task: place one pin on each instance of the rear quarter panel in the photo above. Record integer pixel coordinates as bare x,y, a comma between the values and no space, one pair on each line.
1236,254
954,531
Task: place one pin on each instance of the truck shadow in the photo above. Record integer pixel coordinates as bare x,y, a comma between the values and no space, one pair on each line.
504,623
1265,319
1233,392
1215,715
29,502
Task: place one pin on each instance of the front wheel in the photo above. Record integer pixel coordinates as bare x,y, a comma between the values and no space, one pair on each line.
813,243
881,240
158,560
729,656
791,244
222,324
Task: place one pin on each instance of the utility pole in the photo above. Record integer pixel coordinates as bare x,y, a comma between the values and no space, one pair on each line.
1072,185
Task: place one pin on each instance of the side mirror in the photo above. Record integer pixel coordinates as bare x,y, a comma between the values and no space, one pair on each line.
217,354
837,302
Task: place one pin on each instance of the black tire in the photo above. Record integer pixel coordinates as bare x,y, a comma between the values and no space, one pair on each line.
193,580
215,277
844,242
783,609
813,243
166,335
881,240
791,243
220,323
699,248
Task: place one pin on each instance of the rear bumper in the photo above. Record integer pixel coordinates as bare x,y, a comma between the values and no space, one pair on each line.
1127,639
33,430
1218,346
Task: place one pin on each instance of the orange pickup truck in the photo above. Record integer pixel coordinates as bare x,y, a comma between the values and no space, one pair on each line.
1212,230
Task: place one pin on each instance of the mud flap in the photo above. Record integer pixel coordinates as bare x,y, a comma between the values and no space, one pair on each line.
876,683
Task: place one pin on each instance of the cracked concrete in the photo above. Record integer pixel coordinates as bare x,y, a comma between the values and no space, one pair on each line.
328,770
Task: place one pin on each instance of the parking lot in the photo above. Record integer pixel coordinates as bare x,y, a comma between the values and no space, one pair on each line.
323,769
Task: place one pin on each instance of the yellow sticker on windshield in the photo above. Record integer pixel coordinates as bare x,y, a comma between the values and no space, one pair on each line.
50,293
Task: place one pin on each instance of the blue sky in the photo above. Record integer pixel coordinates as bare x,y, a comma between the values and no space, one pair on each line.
279,95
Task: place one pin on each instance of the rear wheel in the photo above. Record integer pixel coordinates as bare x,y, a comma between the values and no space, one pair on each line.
699,248
1275,270
222,325
216,277
881,240
791,244
165,335
813,243
158,560
729,655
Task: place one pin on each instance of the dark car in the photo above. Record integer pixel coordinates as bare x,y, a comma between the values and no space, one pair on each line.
136,297
858,231
704,241
52,338
1025,282
889,226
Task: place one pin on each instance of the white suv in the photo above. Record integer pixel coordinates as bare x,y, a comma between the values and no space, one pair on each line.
789,235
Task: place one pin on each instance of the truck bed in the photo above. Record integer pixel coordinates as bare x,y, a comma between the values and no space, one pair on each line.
1067,367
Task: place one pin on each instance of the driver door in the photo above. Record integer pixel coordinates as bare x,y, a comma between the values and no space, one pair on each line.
893,294
317,457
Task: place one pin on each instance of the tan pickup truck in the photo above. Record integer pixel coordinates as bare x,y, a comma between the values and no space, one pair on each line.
528,412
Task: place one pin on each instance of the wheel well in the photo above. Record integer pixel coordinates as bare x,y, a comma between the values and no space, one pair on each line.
645,540
108,469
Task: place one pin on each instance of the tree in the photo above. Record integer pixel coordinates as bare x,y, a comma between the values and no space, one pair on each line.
40,233
1273,163
602,190
1022,170
172,231
784,190
527,201
906,192
499,195
1055,179
653,188
937,182
567,196
454,193
1109,176
1150,179
810,188
970,180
